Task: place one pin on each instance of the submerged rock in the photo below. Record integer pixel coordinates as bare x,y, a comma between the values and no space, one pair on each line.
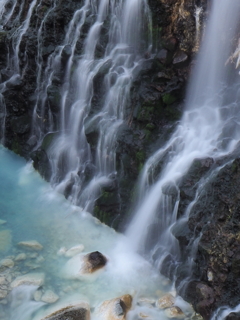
21,257
32,244
80,311
146,302
49,297
5,240
8,263
93,262
74,250
31,279
3,293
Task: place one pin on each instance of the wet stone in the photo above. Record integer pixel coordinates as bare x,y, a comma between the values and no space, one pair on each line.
174,312
166,301
49,297
8,263
33,245
34,279
21,257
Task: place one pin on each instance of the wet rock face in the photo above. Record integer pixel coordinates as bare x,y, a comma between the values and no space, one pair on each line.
216,216
178,21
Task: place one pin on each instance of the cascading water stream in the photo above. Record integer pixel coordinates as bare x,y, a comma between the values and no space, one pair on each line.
202,132
70,153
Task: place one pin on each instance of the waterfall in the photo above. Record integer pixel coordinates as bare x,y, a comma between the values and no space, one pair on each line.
82,84
70,152
209,128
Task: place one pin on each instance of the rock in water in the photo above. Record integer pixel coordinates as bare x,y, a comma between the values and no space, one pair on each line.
49,297
34,279
33,245
21,257
8,263
166,301
93,262
74,250
115,309
175,312
5,240
80,311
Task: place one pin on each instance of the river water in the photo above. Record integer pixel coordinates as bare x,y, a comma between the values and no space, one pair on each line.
31,210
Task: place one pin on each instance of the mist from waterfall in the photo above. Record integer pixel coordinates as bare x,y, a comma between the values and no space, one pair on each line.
209,128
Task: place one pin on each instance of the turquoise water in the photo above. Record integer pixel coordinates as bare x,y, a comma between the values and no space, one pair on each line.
33,211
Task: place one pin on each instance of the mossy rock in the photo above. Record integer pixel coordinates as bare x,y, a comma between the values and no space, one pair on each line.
169,98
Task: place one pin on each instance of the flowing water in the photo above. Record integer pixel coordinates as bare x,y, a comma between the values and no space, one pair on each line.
209,128
32,210
120,57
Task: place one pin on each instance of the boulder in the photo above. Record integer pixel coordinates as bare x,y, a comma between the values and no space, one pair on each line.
31,279
115,309
92,262
32,244
80,311
166,301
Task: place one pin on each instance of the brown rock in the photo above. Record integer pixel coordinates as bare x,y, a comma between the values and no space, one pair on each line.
115,309
174,312
166,301
77,312
93,262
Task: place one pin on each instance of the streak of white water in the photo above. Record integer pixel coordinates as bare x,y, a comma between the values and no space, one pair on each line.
18,36
223,312
201,133
121,56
